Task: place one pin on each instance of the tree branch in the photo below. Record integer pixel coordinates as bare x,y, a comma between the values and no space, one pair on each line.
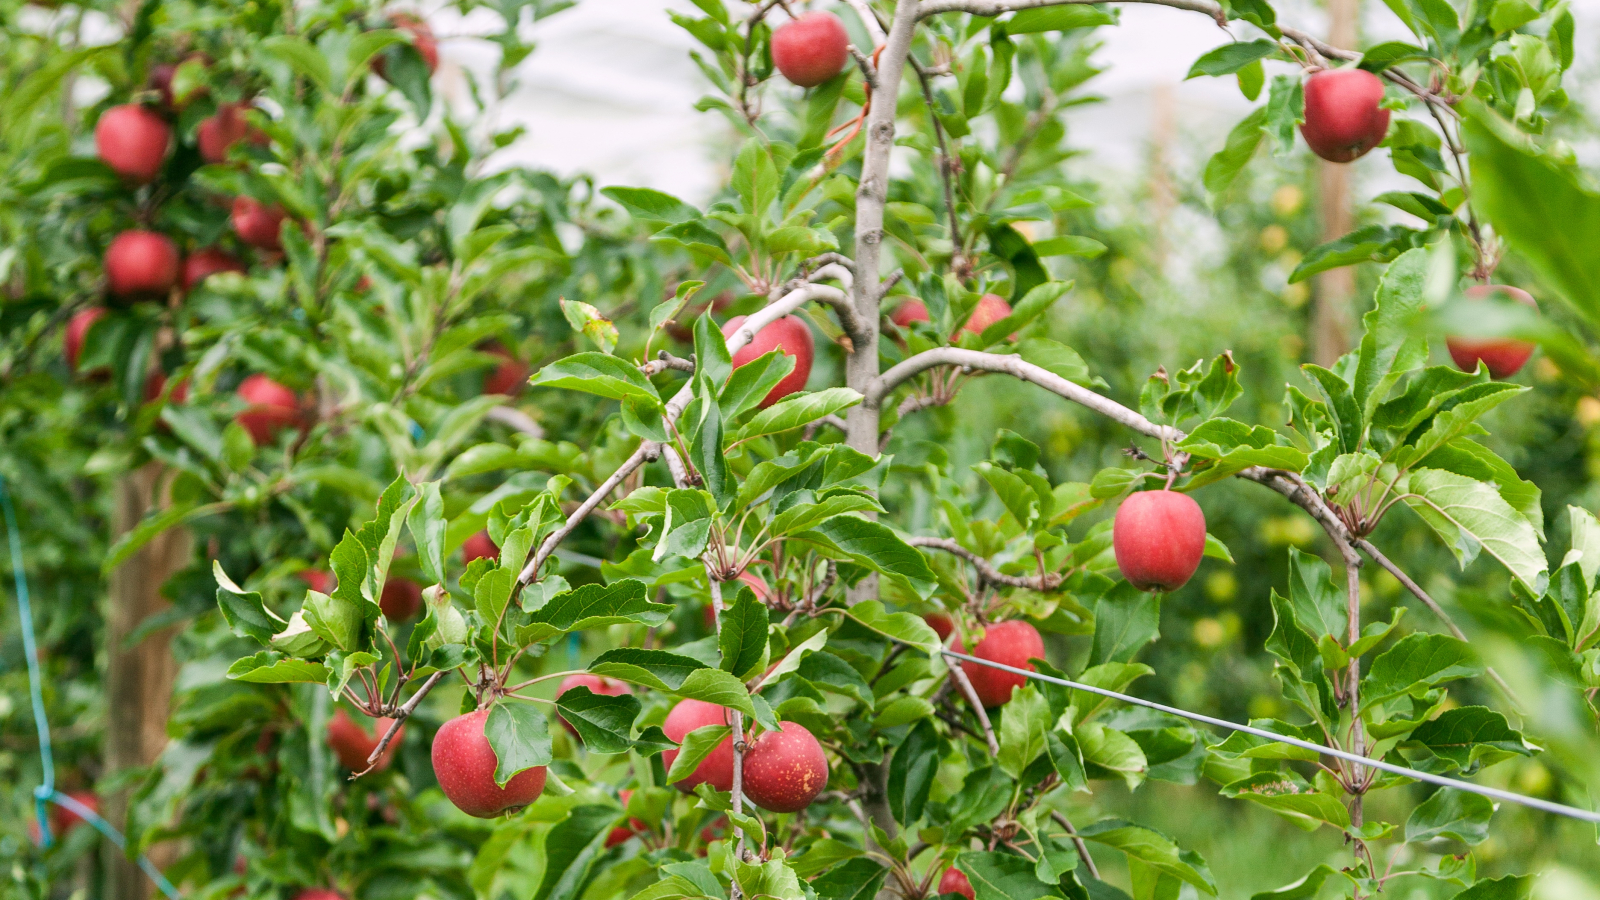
647,452
961,680
986,571
1083,849
400,716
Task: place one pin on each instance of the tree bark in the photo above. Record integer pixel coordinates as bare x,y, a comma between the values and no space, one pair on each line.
139,678
1333,318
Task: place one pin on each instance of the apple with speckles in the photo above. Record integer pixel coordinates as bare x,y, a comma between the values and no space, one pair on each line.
464,763
1159,538
785,770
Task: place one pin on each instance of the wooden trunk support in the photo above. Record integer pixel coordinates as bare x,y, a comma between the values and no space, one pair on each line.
139,678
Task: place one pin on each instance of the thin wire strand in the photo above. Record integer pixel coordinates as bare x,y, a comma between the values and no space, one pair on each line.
46,793
1532,802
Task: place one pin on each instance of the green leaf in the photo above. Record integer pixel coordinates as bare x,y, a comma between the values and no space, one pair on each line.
752,382
1231,447
1347,420
300,56
1058,18
604,723
1003,876
1306,888
519,737
823,855
1506,887
755,178
742,635
1151,848
1456,419
571,849
1365,244
1019,497
428,526
1287,794
858,879
1056,358
243,610
1417,662
1468,735
153,524
268,667
656,669
1285,110
1470,516
651,205
912,770
711,358
799,409
717,686
875,547
1023,730
1453,814
599,374
696,746
829,673
1230,58
594,606
1381,56
1109,753
1226,164
1069,245
1389,345
589,320
1126,619
899,626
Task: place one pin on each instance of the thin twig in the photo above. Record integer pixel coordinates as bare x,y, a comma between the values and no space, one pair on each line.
1083,849
400,716
965,684
1045,582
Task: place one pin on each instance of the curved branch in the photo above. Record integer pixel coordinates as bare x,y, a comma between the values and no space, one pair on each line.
1017,367
962,681
647,452
400,716
997,7
1047,582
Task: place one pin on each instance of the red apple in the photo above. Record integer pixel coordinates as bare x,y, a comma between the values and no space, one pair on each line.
156,382
598,684
991,308
206,262
421,37
352,742
63,820
272,408
160,79
954,881
141,264
479,546
757,584
941,623
1008,643
811,49
509,376
621,833
717,768
258,224
1343,116
1503,356
318,580
785,769
77,331
789,334
400,600
912,310
133,141
1158,537
319,894
464,763
219,132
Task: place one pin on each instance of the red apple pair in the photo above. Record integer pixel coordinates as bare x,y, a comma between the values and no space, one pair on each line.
133,140
1504,357
991,308
1010,644
790,335
352,742
811,49
784,770
1344,117
464,763
1159,538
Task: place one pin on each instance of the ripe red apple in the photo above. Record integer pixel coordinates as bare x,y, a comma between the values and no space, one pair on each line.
789,334
954,881
352,742
1503,356
1158,537
206,262
912,310
621,833
319,580
141,264
273,408
1008,643
991,308
133,141
811,49
1343,116
785,769
757,584
160,80
77,331
319,894
258,224
217,134
400,600
941,623
717,768
509,376
156,382
479,546
63,820
598,684
464,763
421,37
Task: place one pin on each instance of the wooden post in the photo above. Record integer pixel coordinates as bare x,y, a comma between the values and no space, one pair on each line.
1333,319
139,678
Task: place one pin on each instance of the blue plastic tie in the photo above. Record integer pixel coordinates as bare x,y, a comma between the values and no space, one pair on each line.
46,793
